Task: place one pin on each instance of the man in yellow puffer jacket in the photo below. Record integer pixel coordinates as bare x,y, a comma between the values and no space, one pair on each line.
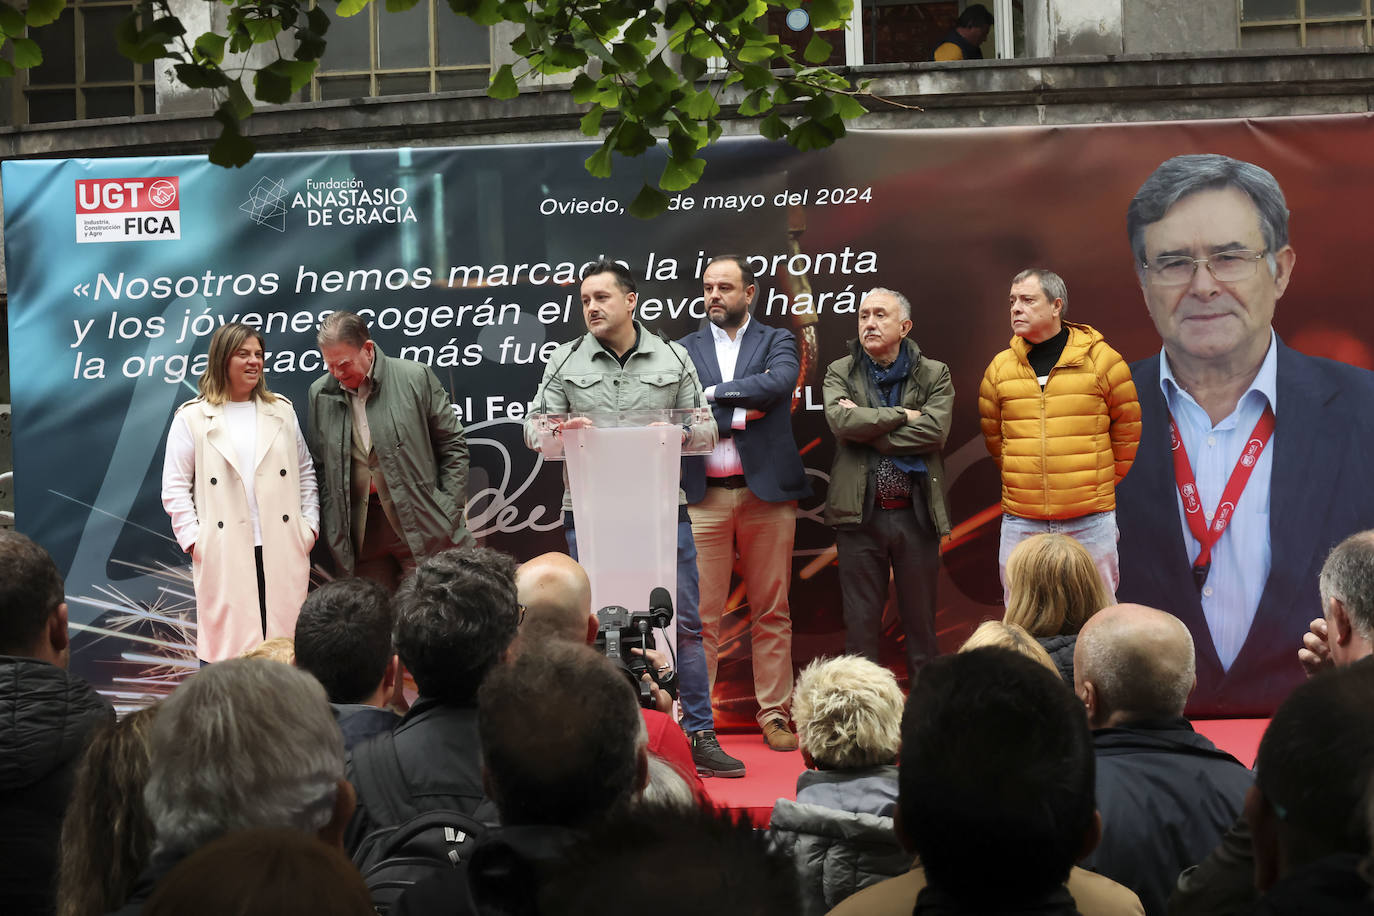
1061,419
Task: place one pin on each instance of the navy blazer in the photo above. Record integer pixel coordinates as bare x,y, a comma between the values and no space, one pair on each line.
765,376
1319,493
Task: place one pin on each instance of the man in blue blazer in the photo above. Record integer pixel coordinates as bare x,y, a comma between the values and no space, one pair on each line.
743,496
1253,458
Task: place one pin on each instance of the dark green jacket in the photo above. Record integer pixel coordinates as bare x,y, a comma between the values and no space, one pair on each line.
420,449
865,432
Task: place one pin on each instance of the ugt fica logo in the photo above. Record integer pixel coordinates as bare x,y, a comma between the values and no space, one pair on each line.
128,209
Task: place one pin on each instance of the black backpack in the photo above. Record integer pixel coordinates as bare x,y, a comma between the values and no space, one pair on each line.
415,844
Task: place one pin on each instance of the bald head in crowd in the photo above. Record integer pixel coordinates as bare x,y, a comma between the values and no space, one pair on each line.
1131,663
557,596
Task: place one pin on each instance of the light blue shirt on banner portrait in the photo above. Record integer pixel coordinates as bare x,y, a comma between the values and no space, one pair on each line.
1240,559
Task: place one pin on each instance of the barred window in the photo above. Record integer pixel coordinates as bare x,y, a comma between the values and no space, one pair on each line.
427,48
82,74
1304,23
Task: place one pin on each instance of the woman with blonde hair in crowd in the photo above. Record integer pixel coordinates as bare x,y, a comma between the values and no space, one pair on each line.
106,835
1001,635
1053,588
839,831
239,485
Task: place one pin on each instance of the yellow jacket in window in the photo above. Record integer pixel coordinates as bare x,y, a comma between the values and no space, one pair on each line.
1062,450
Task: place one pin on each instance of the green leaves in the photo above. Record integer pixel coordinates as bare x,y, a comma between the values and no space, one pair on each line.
817,50
11,21
231,150
279,80
348,8
648,203
26,53
641,69
42,12
503,84
143,46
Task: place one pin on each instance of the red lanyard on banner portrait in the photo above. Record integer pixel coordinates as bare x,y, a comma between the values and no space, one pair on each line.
1205,534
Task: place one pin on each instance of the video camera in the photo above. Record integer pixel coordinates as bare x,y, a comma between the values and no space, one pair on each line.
620,629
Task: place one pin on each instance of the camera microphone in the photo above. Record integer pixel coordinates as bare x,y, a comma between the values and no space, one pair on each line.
660,607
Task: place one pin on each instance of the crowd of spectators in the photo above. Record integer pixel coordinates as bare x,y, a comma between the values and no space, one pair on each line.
527,778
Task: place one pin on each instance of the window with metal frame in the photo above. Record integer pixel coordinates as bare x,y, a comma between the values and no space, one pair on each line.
427,48
83,74
1304,23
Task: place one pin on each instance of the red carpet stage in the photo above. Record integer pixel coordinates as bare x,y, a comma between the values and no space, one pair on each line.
773,775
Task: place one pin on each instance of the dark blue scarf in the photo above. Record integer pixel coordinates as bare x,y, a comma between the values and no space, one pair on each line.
888,383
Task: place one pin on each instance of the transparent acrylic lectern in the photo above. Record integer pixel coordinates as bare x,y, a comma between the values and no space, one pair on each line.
624,476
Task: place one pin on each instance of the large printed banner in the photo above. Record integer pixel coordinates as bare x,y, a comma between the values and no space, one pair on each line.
466,260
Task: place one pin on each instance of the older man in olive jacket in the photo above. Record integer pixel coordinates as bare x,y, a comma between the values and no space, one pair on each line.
391,459
889,408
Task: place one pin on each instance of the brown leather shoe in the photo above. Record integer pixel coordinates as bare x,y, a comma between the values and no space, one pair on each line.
778,736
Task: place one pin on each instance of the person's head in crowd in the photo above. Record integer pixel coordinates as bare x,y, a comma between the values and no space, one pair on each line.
33,614
665,787
556,594
848,712
1347,591
687,861
233,368
1233,215
563,704
997,767
106,834
1052,586
456,615
265,872
246,743
277,649
346,347
997,634
1133,663
974,23
343,637
1313,773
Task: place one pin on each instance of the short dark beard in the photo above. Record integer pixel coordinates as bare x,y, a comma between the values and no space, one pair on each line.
727,320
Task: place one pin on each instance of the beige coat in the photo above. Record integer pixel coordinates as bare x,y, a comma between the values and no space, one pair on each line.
229,621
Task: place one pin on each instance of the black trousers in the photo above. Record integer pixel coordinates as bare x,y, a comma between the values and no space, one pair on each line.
900,544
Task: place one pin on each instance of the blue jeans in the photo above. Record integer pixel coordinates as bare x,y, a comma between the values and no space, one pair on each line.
1096,532
693,690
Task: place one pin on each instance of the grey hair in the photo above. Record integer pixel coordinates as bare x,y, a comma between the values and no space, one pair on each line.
243,743
1051,283
1183,176
1131,675
848,712
666,787
343,328
902,302
1348,576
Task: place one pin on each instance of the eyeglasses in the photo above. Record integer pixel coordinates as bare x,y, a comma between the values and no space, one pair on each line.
522,615
1225,266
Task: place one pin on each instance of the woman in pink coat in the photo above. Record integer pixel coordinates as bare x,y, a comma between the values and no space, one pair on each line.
239,485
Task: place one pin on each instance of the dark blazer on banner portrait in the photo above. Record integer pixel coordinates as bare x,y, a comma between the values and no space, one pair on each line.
1320,492
765,377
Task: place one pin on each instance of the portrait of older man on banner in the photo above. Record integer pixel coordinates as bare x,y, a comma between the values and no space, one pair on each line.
1251,463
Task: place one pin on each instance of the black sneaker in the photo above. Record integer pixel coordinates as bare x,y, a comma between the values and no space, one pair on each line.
710,759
